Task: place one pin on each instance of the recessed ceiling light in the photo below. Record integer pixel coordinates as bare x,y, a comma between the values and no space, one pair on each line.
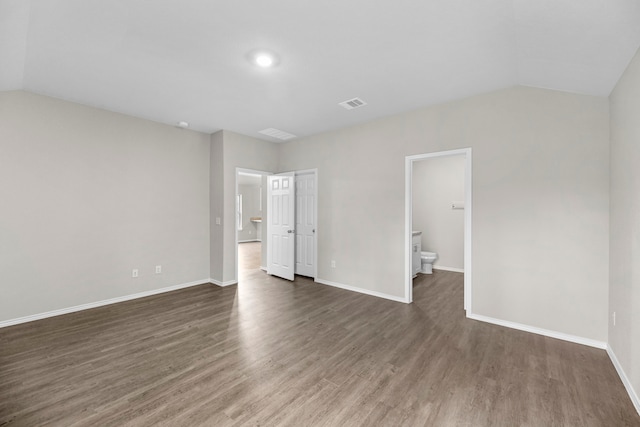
182,125
263,58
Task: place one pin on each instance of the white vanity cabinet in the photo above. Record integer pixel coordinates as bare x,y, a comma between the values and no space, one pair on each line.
416,250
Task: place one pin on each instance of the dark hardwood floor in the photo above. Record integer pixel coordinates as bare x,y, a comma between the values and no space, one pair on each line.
270,352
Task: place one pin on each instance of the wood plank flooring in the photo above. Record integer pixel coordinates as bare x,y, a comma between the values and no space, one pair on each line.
274,353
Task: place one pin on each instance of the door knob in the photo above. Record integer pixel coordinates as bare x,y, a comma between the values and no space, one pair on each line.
290,231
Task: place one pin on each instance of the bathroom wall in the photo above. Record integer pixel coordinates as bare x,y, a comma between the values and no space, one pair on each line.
624,288
250,208
437,182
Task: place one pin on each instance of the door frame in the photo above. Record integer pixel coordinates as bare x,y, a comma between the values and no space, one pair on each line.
468,207
265,173
313,172
235,223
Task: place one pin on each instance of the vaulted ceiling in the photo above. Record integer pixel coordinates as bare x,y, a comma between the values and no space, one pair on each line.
188,60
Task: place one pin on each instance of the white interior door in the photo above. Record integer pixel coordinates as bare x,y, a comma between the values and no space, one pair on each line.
281,225
306,224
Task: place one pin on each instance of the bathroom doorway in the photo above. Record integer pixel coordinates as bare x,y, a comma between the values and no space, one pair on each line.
440,209
250,214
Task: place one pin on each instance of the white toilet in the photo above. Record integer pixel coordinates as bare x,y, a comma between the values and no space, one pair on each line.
427,259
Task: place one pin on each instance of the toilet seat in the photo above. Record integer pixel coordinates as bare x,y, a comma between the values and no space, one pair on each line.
428,255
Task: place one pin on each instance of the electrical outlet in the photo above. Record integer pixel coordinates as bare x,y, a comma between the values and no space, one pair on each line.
614,318
158,269
218,220
134,273
333,263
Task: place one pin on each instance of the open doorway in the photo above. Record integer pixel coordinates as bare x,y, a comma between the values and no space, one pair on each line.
252,237
454,216
250,216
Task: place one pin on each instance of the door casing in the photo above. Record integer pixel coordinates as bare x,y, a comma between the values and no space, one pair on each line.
468,197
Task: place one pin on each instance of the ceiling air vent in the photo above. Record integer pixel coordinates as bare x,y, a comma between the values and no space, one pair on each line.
276,133
350,104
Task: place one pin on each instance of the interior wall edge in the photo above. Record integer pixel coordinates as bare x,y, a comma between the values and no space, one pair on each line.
635,399
88,306
223,284
360,290
453,269
539,331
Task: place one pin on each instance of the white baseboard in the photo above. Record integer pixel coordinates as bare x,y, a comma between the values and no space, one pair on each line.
88,306
263,268
625,380
360,290
547,333
455,270
223,284
249,241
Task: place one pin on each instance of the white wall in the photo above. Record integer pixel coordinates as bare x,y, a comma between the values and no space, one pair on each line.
238,151
216,208
102,193
624,288
540,208
250,208
263,227
437,183
86,196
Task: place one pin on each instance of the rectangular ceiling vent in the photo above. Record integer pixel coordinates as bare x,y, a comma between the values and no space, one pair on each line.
350,104
277,133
